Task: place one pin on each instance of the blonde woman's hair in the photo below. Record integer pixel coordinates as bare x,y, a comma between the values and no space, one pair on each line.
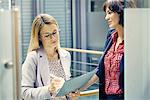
37,24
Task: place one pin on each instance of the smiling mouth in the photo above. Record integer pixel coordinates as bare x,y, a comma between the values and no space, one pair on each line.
109,22
54,42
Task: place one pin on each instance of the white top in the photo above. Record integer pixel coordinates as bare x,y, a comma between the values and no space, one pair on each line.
56,69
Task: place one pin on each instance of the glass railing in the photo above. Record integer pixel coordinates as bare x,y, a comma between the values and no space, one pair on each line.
84,61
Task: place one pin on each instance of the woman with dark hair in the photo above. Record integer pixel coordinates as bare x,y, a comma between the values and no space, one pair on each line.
110,71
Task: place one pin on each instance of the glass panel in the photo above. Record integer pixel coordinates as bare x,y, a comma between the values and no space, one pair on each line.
6,73
27,15
97,27
142,3
80,67
94,97
95,5
61,10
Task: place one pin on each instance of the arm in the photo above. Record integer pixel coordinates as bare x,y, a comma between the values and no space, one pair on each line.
97,74
29,91
94,79
75,95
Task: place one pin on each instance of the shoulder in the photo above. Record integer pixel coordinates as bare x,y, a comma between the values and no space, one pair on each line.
30,62
109,37
110,32
32,57
32,54
63,53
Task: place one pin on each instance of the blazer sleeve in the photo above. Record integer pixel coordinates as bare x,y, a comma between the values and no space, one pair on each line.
28,89
97,72
108,38
110,31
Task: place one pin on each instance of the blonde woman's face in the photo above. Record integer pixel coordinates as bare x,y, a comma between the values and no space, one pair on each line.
49,36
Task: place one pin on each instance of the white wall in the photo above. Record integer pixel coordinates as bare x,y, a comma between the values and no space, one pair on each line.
137,54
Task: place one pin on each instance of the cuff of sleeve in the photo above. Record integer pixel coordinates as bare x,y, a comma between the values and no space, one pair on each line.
47,93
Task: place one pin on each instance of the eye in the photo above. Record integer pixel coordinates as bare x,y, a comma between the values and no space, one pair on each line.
47,35
54,33
109,12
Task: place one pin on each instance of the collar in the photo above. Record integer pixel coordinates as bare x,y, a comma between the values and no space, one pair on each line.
115,36
62,53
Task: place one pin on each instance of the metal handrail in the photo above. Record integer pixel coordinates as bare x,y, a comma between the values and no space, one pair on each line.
85,63
90,92
85,51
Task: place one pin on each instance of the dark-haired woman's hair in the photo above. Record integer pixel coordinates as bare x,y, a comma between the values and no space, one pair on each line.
118,7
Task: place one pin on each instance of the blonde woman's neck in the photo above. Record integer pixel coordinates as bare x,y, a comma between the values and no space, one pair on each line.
52,54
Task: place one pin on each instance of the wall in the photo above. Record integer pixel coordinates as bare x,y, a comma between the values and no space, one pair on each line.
137,54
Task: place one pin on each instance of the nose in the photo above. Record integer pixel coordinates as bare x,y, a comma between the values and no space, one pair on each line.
53,37
106,17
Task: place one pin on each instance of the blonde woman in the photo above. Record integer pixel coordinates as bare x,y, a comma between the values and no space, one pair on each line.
47,65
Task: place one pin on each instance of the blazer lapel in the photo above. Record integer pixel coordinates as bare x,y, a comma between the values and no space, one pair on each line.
122,64
107,47
44,70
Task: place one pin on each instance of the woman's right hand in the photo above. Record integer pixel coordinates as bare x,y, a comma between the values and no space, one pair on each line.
56,84
94,79
74,95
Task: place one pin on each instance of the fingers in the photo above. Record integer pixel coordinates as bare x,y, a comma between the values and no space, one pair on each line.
52,87
75,94
83,88
56,84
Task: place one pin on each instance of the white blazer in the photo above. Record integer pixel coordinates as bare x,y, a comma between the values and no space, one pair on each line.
35,74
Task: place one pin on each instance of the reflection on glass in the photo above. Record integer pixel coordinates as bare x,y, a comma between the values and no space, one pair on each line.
142,3
95,5
5,4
